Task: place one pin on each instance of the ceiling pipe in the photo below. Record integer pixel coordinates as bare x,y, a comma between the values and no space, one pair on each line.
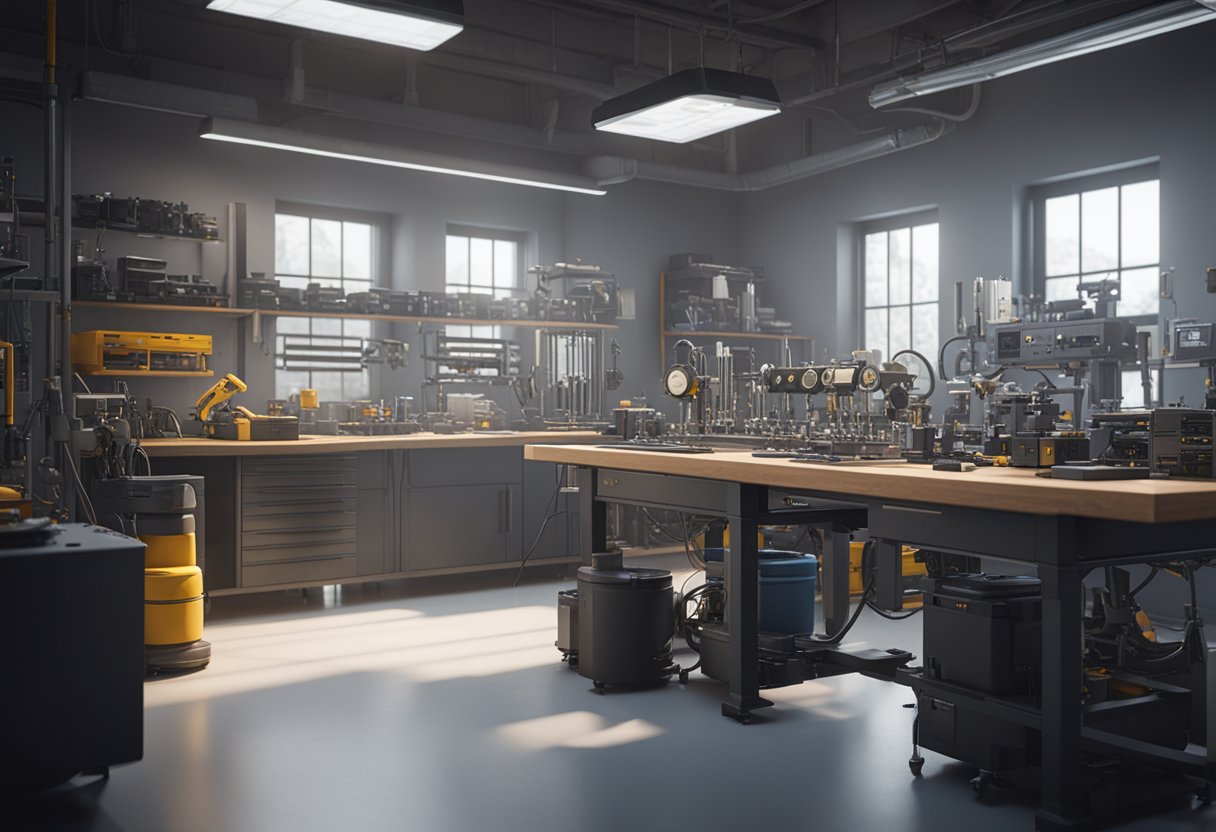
1117,31
615,170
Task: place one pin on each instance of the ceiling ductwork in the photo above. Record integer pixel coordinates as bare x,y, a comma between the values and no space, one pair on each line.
614,170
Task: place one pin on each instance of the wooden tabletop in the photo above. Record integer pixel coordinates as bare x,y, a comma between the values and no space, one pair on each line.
307,445
1011,489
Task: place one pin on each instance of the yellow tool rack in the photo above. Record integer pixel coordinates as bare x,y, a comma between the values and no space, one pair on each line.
101,352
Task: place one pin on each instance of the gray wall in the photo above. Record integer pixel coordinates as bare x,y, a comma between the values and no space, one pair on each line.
1150,100
1143,101
629,232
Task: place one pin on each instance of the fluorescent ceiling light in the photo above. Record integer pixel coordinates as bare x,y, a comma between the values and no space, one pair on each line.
689,105
414,25
1128,28
278,138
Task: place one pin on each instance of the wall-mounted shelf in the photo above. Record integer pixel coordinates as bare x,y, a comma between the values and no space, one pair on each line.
227,311
742,336
156,373
234,312
296,313
666,334
38,219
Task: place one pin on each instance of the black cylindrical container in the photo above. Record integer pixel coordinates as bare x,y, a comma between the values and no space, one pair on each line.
625,622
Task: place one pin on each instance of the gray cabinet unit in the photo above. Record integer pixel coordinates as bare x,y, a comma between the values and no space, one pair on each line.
311,517
462,525
299,516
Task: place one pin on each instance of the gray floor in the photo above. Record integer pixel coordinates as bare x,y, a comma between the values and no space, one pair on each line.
444,707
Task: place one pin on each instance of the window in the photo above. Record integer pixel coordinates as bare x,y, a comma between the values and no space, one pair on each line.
486,262
899,286
1104,227
325,247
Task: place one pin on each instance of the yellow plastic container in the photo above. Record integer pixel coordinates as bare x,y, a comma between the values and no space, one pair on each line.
173,605
167,550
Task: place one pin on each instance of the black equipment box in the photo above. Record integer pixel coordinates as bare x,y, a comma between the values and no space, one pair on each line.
1193,342
71,633
962,732
1182,442
625,622
371,302
1046,451
984,632
1048,344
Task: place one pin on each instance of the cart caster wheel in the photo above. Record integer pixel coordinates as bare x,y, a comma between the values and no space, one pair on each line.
598,685
572,663
980,784
1205,795
683,677
916,765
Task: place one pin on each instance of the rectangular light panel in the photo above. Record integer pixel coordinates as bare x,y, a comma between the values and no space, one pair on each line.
214,129
409,29
688,118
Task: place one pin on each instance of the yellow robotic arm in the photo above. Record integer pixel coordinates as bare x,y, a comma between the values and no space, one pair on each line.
220,392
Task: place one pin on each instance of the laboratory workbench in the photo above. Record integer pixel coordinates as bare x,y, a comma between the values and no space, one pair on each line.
346,509
197,446
1060,530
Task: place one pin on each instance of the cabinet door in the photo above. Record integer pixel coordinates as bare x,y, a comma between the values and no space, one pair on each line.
450,526
540,483
375,510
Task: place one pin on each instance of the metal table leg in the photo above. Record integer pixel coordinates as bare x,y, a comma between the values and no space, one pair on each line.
745,505
1063,800
889,575
593,525
835,578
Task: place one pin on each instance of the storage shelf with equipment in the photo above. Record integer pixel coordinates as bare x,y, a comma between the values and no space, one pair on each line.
306,313
715,299
743,336
222,311
157,373
234,312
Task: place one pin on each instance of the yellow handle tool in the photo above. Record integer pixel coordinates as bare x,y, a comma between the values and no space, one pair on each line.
220,392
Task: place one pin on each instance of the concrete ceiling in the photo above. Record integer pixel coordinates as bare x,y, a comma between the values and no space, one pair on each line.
526,73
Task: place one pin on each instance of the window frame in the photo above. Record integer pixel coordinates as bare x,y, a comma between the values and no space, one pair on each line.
1118,178
888,223
378,277
519,238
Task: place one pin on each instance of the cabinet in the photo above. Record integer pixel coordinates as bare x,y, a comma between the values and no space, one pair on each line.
462,525
464,507
299,517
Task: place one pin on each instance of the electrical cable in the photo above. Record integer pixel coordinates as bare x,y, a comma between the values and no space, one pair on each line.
80,490
928,367
549,515
941,354
887,614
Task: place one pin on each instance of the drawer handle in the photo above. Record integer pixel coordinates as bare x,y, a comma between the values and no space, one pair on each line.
310,529
911,510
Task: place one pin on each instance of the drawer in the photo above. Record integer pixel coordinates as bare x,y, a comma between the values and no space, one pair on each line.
300,521
310,494
953,529
280,551
313,571
287,505
298,472
465,466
